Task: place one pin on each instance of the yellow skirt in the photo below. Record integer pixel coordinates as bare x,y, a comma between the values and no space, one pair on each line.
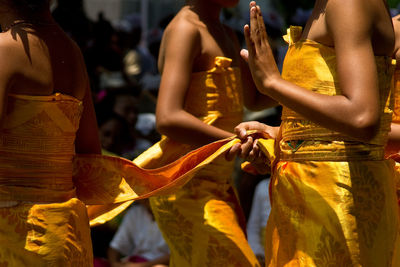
54,234
333,214
203,223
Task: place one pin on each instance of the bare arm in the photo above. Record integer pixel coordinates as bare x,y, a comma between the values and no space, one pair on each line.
7,72
356,111
87,138
181,46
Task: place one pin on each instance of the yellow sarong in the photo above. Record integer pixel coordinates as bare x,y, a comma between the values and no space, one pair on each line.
333,198
49,196
203,223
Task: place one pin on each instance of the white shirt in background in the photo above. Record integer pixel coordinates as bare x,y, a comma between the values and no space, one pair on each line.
258,218
139,235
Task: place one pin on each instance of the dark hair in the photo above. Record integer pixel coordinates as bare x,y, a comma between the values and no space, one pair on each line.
29,5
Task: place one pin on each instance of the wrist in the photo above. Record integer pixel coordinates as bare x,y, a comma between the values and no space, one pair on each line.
270,84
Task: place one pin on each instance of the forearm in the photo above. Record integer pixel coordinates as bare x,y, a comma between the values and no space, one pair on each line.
338,112
186,128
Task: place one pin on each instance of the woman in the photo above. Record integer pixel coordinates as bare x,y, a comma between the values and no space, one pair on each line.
332,192
49,194
44,99
200,101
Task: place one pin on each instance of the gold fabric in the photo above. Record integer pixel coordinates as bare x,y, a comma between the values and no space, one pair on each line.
333,199
202,222
42,222
49,195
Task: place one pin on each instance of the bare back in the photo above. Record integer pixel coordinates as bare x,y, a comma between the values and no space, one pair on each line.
42,61
45,61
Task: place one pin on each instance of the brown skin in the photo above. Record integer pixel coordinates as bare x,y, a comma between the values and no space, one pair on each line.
190,43
394,134
42,60
357,30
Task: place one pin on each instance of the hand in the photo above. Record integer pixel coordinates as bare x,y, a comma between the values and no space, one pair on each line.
248,148
260,129
259,54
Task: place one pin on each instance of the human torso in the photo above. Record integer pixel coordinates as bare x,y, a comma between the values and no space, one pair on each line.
45,60
313,66
37,147
382,38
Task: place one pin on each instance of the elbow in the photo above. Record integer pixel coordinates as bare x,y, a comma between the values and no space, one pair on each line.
366,126
163,124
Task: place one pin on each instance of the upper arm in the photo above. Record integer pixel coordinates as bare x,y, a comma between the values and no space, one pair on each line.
7,72
350,25
181,46
87,137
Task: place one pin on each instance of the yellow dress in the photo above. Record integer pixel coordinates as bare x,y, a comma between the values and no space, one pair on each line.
333,199
49,196
42,222
202,222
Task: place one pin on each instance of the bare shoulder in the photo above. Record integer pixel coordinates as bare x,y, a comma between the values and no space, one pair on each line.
183,24
344,11
181,36
361,23
9,51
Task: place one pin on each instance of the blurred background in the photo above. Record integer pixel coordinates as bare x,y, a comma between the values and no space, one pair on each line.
120,40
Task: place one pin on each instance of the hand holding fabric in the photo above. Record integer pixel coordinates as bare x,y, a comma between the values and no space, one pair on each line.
248,149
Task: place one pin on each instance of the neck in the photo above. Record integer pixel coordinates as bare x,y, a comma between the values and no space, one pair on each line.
207,12
10,17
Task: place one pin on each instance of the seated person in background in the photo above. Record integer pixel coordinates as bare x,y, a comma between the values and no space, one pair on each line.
114,134
259,213
139,239
124,102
